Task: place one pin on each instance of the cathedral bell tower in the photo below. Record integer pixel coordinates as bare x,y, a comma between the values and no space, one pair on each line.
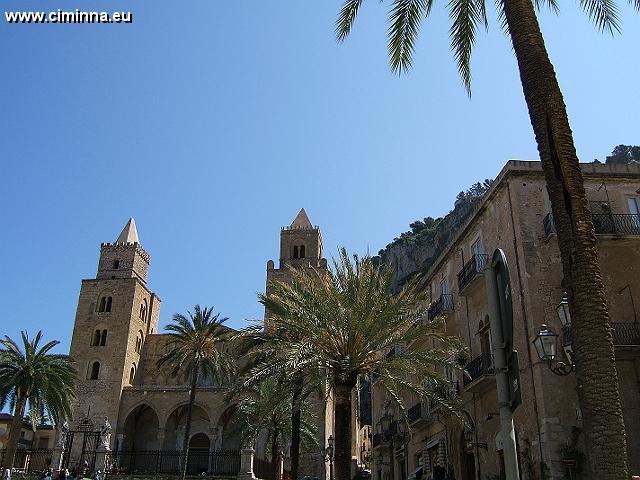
116,311
300,246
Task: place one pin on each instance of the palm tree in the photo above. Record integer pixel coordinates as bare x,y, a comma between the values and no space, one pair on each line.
592,339
338,323
194,354
36,379
251,346
267,408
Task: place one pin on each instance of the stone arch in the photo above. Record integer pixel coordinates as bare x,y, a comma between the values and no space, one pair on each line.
141,428
176,422
229,433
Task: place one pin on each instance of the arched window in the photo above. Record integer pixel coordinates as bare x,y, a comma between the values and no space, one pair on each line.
108,306
103,304
95,371
116,264
143,311
302,251
295,251
139,340
132,374
103,338
95,340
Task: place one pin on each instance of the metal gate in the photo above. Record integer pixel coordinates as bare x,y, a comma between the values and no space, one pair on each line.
90,442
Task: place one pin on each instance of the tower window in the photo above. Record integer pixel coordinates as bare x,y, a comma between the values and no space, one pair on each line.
132,374
302,251
295,251
108,306
103,338
116,264
139,339
95,371
95,340
103,304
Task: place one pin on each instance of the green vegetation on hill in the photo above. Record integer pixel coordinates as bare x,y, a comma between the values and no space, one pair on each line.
623,155
416,249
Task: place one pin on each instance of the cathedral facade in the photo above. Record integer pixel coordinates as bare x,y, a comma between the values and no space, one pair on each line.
116,345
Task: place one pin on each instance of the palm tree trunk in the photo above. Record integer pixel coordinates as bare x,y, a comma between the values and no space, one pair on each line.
296,416
592,340
274,453
342,434
187,429
14,434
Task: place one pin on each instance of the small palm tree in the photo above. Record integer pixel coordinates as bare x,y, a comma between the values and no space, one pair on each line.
340,323
267,408
194,355
36,379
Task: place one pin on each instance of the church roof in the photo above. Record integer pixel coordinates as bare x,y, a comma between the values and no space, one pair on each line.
301,220
129,233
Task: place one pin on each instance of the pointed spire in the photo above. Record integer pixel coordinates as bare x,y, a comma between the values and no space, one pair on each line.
301,221
129,233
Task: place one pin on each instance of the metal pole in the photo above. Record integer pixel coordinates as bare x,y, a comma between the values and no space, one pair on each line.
502,379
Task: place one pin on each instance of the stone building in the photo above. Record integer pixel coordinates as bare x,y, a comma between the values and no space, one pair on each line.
514,215
116,346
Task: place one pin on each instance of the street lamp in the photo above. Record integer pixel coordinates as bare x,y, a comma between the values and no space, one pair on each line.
329,453
546,347
563,311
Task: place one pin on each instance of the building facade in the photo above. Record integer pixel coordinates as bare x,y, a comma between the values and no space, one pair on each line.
116,347
515,216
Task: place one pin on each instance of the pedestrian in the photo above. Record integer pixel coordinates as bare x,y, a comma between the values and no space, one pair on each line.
6,475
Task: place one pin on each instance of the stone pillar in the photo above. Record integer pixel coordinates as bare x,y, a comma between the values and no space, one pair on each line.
246,464
57,457
103,460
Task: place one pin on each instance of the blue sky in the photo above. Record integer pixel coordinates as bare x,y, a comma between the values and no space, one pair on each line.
213,123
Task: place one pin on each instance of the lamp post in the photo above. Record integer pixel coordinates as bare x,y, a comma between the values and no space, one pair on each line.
546,342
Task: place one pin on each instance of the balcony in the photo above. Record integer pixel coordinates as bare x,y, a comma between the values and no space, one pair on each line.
625,334
481,377
443,305
472,270
618,224
421,411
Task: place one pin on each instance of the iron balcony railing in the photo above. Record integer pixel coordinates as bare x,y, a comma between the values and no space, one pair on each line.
604,224
442,305
471,269
616,223
199,461
624,334
549,226
481,365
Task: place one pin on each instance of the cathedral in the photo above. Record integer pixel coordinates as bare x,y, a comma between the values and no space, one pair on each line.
116,344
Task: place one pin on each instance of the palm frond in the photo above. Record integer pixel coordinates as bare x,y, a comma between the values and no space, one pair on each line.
404,19
465,16
604,13
346,17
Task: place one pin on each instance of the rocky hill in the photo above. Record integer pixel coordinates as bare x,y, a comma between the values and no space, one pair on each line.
416,250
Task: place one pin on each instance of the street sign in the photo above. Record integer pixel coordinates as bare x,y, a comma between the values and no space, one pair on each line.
515,392
501,269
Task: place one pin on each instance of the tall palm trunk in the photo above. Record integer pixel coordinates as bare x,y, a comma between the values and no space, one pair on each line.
274,452
14,434
592,340
187,429
296,416
342,435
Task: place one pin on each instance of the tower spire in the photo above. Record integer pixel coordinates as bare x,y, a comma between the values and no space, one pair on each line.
301,221
129,233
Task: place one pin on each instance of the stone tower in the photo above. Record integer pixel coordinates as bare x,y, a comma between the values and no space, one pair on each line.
116,311
300,246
